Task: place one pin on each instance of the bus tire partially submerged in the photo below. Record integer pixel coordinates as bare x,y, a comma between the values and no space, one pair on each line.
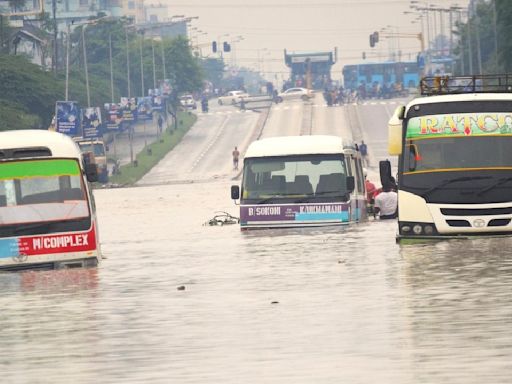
301,181
47,212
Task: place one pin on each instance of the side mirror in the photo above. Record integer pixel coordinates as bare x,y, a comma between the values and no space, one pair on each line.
385,172
235,192
91,172
395,126
351,184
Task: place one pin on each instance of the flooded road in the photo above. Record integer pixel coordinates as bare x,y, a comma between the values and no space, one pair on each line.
280,306
179,302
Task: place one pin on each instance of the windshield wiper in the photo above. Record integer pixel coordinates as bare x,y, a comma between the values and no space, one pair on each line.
29,227
280,195
499,182
446,182
266,200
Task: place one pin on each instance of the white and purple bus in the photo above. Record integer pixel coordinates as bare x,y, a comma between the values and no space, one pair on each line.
301,181
47,212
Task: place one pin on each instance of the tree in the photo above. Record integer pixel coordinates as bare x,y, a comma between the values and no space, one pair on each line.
27,94
477,39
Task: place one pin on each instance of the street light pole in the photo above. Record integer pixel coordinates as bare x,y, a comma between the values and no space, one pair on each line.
85,66
154,67
55,37
142,84
127,62
68,44
495,22
163,59
141,64
111,65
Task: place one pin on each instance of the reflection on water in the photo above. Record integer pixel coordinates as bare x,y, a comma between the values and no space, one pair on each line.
316,305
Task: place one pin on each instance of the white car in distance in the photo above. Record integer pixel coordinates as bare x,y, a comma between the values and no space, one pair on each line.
232,97
295,93
188,101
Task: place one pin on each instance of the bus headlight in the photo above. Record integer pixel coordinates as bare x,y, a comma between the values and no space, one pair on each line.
417,229
429,230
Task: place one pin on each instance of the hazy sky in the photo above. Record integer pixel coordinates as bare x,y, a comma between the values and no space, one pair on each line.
270,26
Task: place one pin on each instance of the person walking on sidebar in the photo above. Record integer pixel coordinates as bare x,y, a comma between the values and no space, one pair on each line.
363,149
236,155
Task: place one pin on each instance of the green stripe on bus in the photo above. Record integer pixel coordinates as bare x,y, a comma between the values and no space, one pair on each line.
34,168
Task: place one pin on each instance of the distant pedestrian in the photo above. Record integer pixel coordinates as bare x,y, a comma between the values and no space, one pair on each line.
363,149
236,155
160,123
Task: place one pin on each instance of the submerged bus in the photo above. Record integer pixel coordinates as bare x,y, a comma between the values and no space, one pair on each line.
455,158
301,181
47,212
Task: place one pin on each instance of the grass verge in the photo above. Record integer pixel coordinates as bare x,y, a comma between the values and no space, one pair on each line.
130,174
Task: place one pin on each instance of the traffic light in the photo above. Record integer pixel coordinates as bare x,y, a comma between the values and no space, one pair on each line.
227,47
364,55
214,47
372,41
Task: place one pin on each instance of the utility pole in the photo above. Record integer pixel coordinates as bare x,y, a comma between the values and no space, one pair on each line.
163,58
68,45
495,22
85,67
141,64
470,49
154,67
111,66
127,63
55,36
478,48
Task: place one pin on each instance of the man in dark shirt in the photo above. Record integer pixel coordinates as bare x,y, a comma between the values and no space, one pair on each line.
236,155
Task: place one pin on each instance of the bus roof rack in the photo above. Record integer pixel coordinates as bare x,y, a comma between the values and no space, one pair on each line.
451,85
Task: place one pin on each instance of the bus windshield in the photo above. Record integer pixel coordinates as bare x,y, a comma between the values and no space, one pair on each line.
35,191
458,142
288,178
97,148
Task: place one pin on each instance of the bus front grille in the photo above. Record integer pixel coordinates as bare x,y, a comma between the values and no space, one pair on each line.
476,211
458,223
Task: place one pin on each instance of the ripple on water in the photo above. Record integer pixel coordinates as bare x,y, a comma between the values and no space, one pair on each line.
324,305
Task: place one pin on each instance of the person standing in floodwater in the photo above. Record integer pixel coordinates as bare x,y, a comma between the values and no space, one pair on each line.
236,155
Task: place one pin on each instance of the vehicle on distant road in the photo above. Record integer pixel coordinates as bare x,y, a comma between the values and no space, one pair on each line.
301,181
188,101
295,93
47,211
232,97
97,147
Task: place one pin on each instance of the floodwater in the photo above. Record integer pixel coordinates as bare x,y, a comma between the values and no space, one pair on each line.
336,305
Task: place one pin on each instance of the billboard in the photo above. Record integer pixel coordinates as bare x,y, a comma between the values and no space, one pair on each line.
91,121
114,116
128,107
67,118
144,108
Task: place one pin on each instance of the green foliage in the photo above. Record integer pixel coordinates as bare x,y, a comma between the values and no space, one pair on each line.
478,38
504,28
15,116
28,87
28,93
213,70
